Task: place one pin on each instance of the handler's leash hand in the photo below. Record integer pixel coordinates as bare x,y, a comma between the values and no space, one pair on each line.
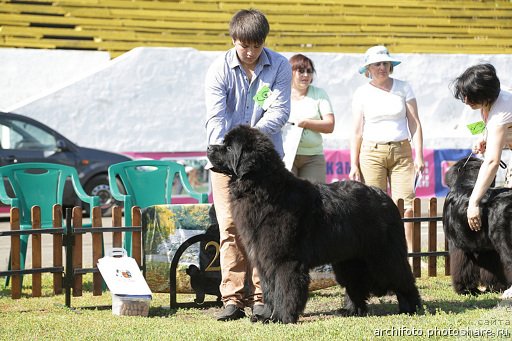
474,218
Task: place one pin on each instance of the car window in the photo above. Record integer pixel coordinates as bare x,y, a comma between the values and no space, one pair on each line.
16,134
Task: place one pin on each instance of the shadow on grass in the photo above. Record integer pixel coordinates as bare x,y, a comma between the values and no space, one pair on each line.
431,308
47,287
388,304
4,290
153,311
461,306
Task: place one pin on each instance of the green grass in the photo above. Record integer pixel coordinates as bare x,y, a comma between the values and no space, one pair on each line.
90,318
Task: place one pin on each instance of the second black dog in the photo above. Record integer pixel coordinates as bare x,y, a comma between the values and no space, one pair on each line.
482,258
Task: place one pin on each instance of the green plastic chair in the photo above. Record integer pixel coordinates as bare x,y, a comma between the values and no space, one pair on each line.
147,183
41,184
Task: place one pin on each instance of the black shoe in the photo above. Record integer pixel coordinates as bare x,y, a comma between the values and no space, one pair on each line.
230,313
260,313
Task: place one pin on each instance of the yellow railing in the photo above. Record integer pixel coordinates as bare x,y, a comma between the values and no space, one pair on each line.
305,25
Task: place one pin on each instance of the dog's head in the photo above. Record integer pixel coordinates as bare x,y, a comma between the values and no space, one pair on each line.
463,173
245,150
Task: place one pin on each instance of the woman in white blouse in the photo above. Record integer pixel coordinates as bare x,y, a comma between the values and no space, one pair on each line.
479,88
385,120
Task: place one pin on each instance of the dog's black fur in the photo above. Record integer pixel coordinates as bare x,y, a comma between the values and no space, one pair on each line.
482,258
289,225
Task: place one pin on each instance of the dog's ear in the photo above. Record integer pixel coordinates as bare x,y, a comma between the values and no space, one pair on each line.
235,153
239,164
451,176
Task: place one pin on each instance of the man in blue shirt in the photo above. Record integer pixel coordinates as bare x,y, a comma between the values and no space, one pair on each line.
250,85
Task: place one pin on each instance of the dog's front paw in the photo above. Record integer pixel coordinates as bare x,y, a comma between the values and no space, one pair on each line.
261,313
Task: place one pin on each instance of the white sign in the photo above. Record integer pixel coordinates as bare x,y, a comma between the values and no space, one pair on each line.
291,138
122,274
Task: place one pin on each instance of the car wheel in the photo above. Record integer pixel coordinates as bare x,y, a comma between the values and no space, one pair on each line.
99,186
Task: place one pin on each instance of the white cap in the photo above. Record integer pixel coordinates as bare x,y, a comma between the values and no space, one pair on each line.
377,54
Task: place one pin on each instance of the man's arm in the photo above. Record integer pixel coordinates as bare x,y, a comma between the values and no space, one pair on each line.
277,114
215,100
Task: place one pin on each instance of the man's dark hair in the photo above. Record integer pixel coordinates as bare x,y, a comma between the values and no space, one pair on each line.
479,84
249,26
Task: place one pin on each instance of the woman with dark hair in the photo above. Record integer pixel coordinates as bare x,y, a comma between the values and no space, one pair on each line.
311,110
479,88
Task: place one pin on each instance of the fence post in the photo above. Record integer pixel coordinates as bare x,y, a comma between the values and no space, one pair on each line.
416,238
136,236
432,238
68,274
35,213
77,251
97,248
15,253
117,221
57,248
446,258
400,205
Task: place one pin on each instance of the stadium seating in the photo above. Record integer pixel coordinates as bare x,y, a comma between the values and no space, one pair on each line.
406,26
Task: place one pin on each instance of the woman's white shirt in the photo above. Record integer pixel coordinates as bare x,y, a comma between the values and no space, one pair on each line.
501,114
383,112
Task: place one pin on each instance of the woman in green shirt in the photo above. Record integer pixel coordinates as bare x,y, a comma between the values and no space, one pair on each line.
311,110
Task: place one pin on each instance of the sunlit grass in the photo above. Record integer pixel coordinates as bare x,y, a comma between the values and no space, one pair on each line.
90,318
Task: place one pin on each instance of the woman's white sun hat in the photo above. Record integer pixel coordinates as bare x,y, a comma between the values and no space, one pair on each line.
377,54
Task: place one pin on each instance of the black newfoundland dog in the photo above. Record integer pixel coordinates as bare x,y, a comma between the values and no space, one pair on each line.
483,258
289,225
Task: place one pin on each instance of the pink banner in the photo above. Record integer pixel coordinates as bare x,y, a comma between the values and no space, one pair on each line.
430,184
338,168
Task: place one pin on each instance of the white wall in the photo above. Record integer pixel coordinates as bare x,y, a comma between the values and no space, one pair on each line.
27,73
151,99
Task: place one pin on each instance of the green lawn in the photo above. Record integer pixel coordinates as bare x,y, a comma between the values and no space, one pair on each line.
446,315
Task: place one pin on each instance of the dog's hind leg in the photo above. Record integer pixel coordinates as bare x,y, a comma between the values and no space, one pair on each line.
492,274
291,292
492,282
500,221
409,301
406,304
503,245
465,273
352,275
395,275
407,294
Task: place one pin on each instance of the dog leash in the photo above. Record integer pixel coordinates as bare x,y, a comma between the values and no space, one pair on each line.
502,163
469,156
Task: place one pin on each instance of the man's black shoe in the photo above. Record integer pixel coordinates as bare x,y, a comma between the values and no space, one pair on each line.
260,313
230,313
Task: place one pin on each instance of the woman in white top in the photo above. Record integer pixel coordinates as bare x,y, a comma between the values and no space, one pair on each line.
310,109
385,119
479,88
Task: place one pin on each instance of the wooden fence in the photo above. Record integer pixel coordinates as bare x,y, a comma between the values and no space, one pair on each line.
68,272
434,224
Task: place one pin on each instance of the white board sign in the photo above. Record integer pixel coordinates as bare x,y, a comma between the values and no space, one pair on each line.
291,139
